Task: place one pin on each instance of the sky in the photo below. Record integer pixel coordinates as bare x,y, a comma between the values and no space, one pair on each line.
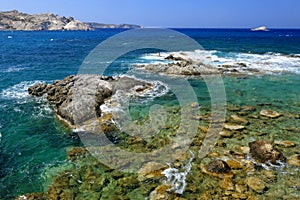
170,13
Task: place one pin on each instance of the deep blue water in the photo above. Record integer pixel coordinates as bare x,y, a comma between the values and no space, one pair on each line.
33,143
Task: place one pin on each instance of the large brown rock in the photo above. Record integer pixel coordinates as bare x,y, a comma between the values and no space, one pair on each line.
264,151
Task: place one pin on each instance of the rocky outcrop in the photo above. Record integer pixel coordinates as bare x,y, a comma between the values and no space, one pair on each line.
191,64
77,99
15,20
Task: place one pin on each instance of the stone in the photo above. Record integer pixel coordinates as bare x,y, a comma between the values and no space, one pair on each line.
294,160
264,151
194,105
233,108
248,108
160,193
233,164
227,184
239,120
151,170
244,149
284,143
226,134
237,195
256,184
233,127
270,175
218,166
203,128
269,113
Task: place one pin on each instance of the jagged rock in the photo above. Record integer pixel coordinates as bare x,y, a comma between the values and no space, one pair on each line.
256,184
15,20
37,89
269,113
171,57
264,151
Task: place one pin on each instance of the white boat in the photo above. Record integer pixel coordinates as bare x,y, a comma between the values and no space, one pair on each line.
261,28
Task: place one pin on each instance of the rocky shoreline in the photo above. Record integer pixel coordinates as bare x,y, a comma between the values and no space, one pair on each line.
246,163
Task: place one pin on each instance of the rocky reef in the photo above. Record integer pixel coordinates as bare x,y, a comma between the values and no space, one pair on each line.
194,63
15,20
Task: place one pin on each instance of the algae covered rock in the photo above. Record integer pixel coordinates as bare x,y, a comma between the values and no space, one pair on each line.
256,184
264,151
218,166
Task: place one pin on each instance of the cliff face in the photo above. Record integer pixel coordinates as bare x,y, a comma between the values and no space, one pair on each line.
15,20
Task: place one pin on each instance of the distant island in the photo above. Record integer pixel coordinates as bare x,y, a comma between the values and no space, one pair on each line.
15,20
96,25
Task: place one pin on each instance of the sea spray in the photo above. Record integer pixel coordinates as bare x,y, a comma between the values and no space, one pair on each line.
176,178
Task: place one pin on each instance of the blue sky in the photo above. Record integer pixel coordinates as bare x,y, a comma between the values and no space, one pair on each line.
171,13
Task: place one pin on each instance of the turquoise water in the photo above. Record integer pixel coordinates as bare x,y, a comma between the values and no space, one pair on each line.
33,143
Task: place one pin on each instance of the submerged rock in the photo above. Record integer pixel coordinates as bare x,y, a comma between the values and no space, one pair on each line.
264,151
233,127
294,160
269,113
239,120
284,143
218,166
256,184
151,170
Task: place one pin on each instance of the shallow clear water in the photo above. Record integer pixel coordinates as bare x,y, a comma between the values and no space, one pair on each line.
33,144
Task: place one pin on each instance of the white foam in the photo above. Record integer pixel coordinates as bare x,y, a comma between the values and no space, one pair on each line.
13,69
178,179
18,91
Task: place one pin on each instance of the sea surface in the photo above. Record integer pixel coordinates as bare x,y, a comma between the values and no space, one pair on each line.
33,144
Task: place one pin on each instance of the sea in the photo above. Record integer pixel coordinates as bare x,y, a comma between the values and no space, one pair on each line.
34,145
